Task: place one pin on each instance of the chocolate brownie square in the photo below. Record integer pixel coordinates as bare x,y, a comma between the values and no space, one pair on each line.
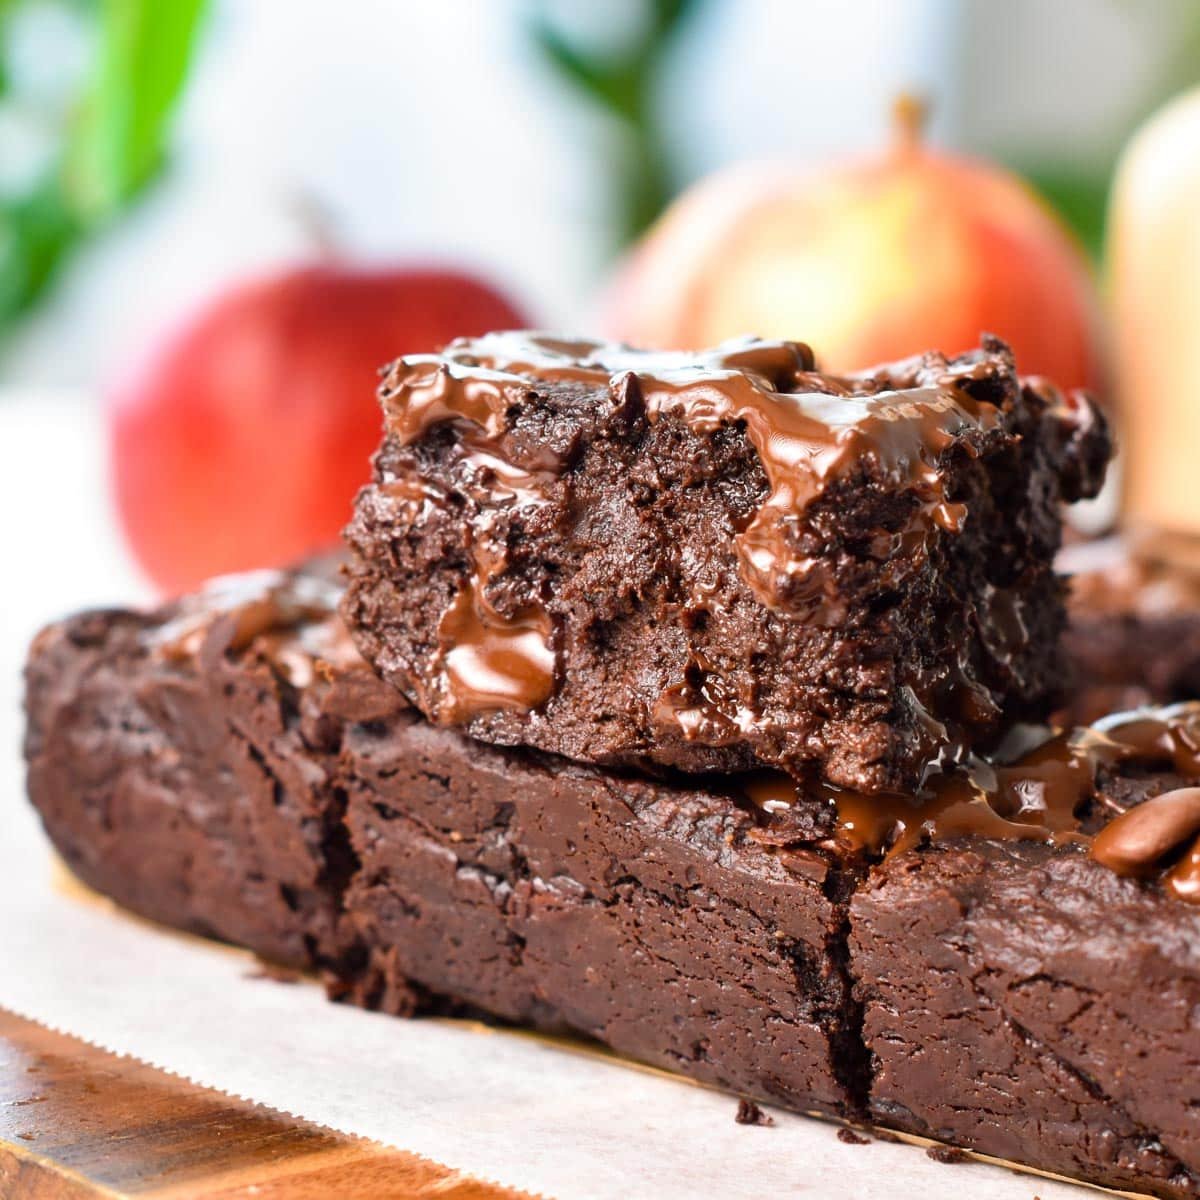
721,560
1022,998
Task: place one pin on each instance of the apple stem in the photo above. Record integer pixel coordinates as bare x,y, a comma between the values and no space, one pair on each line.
910,113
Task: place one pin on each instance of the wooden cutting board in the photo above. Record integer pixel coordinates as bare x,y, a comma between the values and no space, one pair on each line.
78,1122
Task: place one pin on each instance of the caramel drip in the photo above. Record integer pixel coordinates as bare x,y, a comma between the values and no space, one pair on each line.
808,429
1041,795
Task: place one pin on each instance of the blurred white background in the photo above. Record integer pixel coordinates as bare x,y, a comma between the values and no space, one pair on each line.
430,130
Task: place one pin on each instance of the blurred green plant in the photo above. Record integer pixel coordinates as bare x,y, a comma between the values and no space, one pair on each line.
624,83
105,140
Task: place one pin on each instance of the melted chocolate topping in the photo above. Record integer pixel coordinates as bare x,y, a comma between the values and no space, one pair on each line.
490,660
807,429
288,618
1043,792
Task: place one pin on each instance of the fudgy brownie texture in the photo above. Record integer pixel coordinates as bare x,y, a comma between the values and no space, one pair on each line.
1008,964
1133,632
1032,1005
717,561
641,913
181,762
228,765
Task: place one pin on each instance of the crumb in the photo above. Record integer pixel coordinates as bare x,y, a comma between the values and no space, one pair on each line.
27,1137
273,971
947,1154
748,1113
852,1137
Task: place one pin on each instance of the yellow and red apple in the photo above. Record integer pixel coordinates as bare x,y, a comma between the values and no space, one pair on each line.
866,261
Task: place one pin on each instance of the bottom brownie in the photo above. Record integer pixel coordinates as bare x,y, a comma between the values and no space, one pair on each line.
1133,636
1031,1005
228,765
640,913
179,769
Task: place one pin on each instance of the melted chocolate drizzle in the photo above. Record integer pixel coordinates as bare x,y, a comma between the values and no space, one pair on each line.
1044,792
490,660
286,617
808,430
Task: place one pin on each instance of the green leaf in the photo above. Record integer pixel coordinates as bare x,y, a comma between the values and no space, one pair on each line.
1080,197
585,72
624,86
118,143
36,231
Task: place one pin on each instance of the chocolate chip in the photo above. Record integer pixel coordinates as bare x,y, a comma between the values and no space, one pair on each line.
1137,841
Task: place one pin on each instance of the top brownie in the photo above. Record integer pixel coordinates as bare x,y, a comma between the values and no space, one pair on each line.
720,560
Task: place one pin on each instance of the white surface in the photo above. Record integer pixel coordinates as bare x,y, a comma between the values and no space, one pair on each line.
499,1105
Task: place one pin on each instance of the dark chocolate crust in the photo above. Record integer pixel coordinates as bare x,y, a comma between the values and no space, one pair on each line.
891,610
1009,997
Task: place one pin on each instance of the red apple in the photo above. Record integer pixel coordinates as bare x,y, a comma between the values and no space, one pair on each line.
867,261
241,440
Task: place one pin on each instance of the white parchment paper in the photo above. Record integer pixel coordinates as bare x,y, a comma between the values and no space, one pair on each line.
499,1105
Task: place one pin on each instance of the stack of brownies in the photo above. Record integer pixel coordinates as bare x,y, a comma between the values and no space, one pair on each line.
691,703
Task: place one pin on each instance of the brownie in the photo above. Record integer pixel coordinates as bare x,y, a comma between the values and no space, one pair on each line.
228,766
1133,635
1007,963
1032,1005
1036,1001
641,913
719,561
182,764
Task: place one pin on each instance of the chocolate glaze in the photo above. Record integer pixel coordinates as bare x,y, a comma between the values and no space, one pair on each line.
283,615
807,428
490,660
1043,792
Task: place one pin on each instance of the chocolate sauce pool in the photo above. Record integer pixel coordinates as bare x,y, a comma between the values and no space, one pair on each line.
1043,794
